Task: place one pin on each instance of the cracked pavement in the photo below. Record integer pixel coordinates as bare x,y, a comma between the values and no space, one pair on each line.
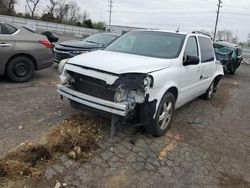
207,146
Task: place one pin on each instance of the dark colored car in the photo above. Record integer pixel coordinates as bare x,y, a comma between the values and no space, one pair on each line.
50,36
229,54
70,49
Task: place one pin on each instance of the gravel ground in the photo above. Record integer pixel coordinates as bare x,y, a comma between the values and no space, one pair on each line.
208,145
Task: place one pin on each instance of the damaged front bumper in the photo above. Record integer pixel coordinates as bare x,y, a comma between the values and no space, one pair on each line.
118,108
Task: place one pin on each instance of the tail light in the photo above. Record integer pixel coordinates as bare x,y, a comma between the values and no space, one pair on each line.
46,43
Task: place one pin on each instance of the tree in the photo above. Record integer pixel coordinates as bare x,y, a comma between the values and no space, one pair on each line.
32,5
62,11
99,25
73,11
248,41
52,7
228,35
220,35
88,23
7,7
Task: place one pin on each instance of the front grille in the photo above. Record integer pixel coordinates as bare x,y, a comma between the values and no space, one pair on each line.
60,56
92,86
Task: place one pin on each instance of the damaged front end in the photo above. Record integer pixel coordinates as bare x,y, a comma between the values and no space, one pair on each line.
125,95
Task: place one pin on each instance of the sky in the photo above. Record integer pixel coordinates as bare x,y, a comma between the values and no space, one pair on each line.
188,15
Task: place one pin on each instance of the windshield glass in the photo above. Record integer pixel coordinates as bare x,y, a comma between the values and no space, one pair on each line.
101,38
149,43
222,49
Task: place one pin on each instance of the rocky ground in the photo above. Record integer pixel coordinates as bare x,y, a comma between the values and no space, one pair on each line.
208,145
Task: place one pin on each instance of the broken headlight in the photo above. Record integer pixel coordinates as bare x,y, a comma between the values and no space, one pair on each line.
120,95
148,81
61,65
64,77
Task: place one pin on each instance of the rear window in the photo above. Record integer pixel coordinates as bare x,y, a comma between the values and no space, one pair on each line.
7,29
207,50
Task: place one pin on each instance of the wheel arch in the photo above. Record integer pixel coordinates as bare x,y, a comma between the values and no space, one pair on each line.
217,79
21,55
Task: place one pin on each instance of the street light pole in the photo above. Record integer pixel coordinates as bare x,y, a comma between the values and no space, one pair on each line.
110,3
217,18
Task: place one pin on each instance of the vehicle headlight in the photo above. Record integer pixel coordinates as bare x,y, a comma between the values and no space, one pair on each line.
120,95
61,65
148,81
64,77
77,52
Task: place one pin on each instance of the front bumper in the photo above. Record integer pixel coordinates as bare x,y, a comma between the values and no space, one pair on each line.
97,103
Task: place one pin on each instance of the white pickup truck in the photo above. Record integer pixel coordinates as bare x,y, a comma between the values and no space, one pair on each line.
143,76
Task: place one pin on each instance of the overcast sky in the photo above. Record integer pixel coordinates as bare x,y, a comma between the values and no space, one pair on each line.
189,15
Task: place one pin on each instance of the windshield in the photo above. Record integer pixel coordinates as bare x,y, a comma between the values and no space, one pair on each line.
149,43
222,49
101,38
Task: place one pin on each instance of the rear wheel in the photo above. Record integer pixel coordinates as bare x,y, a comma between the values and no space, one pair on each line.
20,69
210,92
164,116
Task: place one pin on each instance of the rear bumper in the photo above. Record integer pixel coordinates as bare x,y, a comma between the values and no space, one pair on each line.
44,65
100,104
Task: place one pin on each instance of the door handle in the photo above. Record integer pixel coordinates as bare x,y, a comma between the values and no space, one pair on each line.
4,45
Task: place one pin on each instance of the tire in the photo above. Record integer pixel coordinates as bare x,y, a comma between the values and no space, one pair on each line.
167,105
20,69
232,70
209,93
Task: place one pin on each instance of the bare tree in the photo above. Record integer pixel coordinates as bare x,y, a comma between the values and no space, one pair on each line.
7,6
73,11
220,35
228,35
52,7
62,11
32,5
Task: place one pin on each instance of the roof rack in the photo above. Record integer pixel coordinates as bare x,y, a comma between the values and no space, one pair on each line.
203,33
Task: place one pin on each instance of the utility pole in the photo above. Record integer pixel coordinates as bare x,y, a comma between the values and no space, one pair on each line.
217,18
110,4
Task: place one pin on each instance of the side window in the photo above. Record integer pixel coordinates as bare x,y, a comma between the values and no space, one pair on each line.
7,29
191,47
0,28
207,50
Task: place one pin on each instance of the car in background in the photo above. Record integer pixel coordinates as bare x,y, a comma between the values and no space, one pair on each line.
70,49
50,36
229,54
22,52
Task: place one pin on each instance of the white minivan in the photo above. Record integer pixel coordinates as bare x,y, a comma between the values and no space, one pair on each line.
142,77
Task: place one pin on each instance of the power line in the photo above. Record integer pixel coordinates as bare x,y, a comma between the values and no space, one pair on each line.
110,4
217,18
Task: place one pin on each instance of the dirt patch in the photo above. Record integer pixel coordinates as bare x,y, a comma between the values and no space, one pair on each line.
232,181
76,136
28,160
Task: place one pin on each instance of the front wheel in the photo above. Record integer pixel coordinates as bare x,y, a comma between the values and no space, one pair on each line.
164,116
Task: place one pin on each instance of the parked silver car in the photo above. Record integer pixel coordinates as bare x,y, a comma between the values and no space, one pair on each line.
22,52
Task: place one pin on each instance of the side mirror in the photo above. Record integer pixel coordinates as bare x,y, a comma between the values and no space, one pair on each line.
191,60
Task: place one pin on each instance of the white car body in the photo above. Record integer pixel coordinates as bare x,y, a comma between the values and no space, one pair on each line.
186,82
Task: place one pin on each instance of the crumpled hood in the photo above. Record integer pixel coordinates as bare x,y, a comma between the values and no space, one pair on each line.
119,63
